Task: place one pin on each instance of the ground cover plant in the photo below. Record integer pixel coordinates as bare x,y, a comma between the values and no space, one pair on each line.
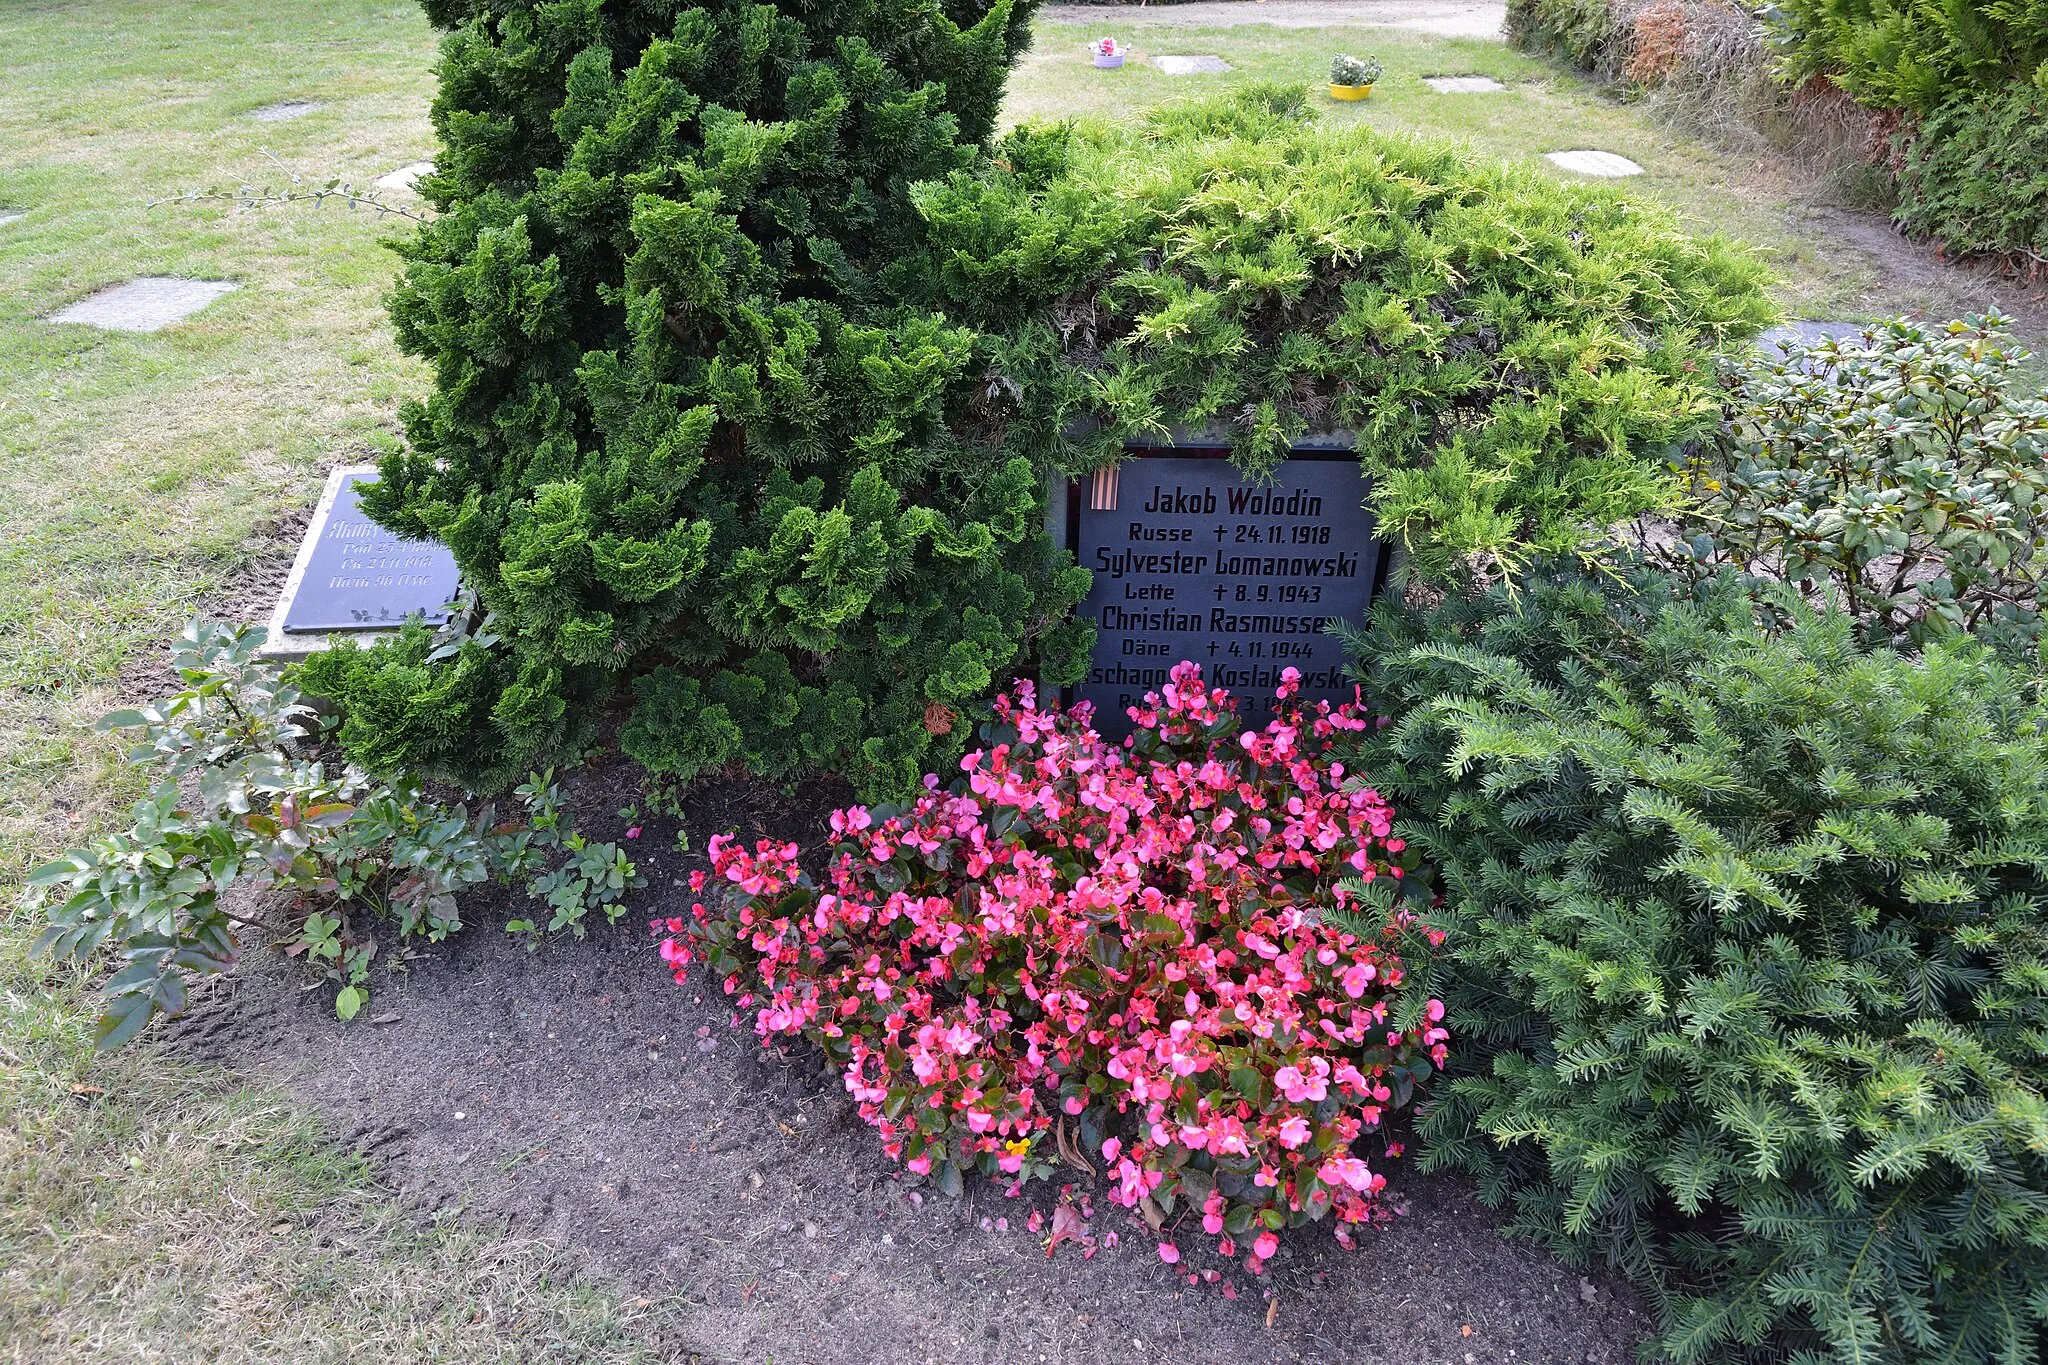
241,804
1750,934
1189,945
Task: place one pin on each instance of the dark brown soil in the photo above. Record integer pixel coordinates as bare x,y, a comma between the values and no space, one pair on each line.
578,1093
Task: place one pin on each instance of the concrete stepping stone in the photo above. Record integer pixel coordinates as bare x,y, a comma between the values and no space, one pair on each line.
1186,65
1463,85
1604,164
149,304
285,109
402,180
12,216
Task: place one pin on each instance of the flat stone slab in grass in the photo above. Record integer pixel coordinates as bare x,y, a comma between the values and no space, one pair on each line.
404,178
284,109
1808,331
354,576
1605,164
12,216
1190,65
1462,85
149,304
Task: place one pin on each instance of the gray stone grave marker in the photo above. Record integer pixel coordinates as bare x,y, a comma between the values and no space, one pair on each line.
1807,331
1190,65
1463,85
354,577
284,109
1604,164
149,304
1193,563
404,178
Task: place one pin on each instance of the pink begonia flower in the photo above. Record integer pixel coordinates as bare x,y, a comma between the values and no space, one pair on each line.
1169,1253
1095,842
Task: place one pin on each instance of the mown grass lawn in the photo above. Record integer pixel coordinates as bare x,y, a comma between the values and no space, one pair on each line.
154,1210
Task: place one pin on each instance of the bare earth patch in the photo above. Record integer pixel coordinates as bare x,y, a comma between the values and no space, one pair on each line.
1450,18
581,1095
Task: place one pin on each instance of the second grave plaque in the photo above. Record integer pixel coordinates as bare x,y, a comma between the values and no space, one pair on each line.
353,574
1191,562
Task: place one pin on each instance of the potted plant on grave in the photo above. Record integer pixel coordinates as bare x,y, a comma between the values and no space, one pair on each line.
1352,78
1108,53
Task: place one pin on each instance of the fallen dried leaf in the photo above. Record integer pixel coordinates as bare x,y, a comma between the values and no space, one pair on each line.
1272,1310
1066,1227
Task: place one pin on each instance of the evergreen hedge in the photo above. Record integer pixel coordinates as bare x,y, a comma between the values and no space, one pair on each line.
1911,54
1750,974
754,357
686,426
1975,178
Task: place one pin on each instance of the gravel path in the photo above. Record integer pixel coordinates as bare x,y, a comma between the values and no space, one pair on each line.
1452,18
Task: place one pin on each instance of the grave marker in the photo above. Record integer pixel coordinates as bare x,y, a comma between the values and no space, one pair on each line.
1190,65
1604,164
402,180
145,305
1463,85
284,109
1806,331
352,575
1192,562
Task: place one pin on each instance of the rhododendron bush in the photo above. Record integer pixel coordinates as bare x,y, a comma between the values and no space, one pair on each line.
1174,946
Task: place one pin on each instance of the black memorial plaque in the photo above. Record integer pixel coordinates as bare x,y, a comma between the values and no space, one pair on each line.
1191,562
362,577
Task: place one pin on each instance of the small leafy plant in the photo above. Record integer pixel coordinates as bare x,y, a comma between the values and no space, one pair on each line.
591,876
1900,476
1348,70
1187,945
242,819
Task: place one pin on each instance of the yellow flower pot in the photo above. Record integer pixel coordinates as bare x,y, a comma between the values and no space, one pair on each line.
1349,92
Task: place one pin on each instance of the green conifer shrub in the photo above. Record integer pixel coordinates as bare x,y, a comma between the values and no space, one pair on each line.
1912,54
1749,936
1518,356
688,418
1974,178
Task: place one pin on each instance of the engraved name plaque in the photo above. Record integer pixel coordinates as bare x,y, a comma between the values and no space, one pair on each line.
1192,562
355,575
